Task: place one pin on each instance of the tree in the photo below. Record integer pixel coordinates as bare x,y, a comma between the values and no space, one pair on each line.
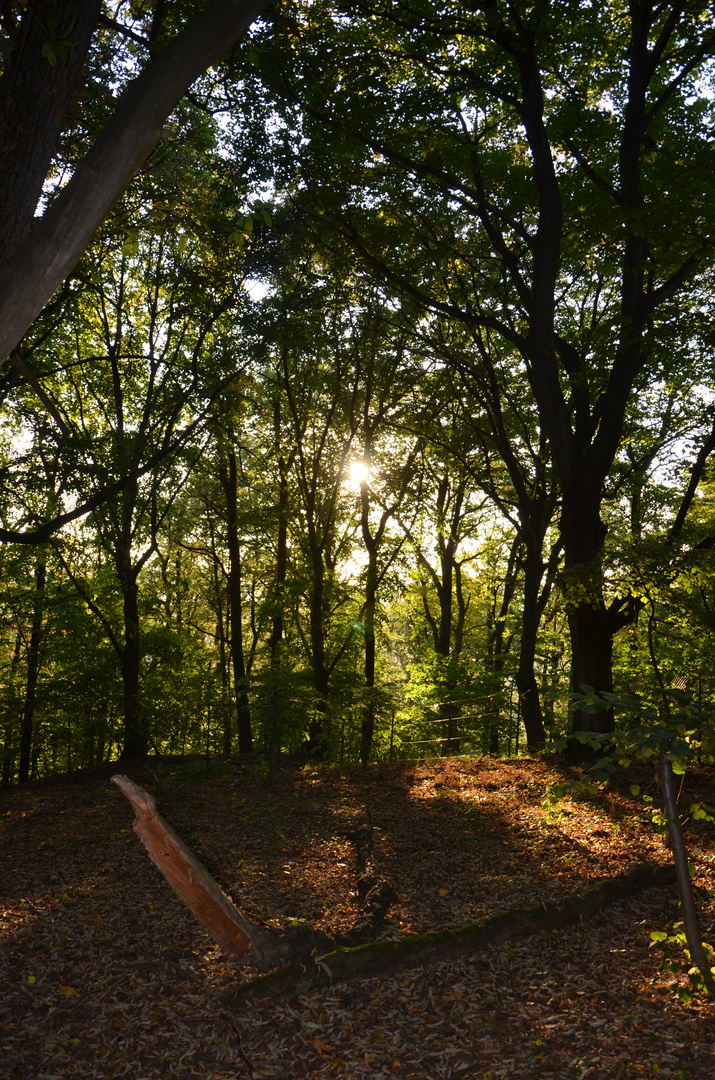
32,271
142,341
540,174
444,516
321,393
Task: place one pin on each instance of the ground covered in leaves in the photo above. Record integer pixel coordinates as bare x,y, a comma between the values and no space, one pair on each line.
105,974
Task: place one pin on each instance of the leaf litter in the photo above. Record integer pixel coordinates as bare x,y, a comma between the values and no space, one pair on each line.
106,974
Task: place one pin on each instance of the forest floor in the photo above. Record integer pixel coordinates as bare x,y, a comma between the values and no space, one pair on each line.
105,974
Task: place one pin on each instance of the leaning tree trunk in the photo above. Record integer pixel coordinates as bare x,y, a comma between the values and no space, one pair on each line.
682,871
38,93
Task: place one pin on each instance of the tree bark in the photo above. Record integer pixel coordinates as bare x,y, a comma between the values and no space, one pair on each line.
229,482
531,618
189,879
368,628
10,711
134,744
36,99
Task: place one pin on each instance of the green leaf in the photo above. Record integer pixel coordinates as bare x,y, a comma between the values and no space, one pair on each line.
50,53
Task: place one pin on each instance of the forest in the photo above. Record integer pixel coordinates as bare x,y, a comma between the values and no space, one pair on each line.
364,411
357,444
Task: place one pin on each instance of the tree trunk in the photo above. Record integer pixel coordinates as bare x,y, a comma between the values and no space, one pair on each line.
317,741
525,677
274,719
584,535
11,712
448,653
229,481
368,629
134,747
682,871
189,879
37,97
221,637
33,658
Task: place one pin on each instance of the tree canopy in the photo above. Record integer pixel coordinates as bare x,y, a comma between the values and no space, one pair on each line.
370,409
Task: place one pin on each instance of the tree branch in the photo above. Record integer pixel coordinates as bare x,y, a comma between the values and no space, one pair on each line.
28,280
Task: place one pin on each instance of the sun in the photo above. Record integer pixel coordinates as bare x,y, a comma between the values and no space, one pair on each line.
359,471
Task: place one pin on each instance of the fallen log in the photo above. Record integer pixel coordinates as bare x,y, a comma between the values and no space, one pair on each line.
236,934
191,881
385,957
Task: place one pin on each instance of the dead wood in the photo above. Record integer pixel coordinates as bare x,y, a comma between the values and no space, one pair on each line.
386,957
235,933
190,880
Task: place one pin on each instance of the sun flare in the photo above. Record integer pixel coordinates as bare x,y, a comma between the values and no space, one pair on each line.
359,471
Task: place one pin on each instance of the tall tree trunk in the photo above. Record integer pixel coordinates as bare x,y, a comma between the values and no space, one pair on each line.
590,631
275,641
221,638
134,747
447,652
33,657
368,628
11,710
525,676
317,742
229,481
497,647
